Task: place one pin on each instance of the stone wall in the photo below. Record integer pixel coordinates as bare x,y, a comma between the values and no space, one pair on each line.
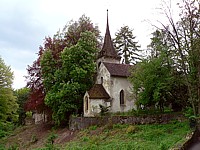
78,123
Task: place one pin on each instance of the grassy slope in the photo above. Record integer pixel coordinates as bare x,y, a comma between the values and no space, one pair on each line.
126,137
110,137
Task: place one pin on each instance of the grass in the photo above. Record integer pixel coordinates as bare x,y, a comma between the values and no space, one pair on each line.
131,137
109,137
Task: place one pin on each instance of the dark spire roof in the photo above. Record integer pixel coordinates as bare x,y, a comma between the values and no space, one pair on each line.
108,49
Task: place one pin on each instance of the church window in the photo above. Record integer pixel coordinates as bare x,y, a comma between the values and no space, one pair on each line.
86,103
122,97
99,64
101,80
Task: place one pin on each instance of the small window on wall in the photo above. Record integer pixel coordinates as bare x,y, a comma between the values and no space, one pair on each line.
101,80
86,103
122,97
99,64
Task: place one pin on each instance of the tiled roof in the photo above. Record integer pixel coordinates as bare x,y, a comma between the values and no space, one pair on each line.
108,49
121,70
98,92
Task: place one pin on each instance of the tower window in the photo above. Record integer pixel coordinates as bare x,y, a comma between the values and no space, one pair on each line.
101,80
121,97
99,64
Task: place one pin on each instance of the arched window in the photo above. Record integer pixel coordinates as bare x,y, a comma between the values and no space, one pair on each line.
122,97
86,103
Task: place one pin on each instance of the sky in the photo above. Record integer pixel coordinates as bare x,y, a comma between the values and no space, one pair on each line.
25,23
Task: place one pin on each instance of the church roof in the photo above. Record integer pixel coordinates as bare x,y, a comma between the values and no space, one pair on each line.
120,70
108,49
98,92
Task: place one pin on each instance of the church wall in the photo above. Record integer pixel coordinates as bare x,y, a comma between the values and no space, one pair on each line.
93,106
94,109
103,72
118,84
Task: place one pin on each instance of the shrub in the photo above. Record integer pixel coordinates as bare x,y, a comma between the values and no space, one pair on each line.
131,129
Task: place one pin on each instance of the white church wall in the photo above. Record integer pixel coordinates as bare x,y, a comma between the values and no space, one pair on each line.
104,74
118,84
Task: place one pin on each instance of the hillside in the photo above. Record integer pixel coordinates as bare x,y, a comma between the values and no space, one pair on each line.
111,136
35,136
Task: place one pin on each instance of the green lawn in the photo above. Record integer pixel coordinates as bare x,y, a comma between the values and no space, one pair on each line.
130,137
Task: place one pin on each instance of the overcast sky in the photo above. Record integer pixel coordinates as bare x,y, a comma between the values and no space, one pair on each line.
25,23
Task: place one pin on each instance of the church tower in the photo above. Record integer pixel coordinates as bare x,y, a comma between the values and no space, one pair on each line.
108,52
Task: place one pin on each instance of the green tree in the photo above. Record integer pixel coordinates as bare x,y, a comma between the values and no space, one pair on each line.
22,97
184,37
8,105
152,82
156,80
53,47
72,79
126,46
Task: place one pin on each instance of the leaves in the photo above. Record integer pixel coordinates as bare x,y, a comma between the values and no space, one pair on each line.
48,70
126,46
8,105
65,90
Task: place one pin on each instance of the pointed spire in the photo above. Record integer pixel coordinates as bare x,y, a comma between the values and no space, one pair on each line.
108,49
107,25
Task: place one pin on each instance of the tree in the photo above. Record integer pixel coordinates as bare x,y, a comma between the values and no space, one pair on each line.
74,77
8,105
73,30
152,82
22,96
156,80
184,37
68,37
126,46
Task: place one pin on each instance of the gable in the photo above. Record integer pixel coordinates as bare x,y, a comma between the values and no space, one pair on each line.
120,70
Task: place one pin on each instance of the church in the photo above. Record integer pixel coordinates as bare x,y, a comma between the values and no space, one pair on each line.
112,88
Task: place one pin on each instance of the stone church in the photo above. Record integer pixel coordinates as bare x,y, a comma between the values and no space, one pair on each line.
112,88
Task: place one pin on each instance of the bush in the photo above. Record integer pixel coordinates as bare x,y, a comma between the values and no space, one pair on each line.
131,129
5,128
188,112
104,110
50,141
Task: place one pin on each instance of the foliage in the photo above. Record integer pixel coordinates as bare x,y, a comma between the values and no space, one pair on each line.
184,36
126,46
72,79
131,129
68,37
146,137
8,105
22,97
75,28
5,128
50,141
156,80
103,110
152,82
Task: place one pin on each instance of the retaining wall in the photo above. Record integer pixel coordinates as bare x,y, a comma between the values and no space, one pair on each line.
78,123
